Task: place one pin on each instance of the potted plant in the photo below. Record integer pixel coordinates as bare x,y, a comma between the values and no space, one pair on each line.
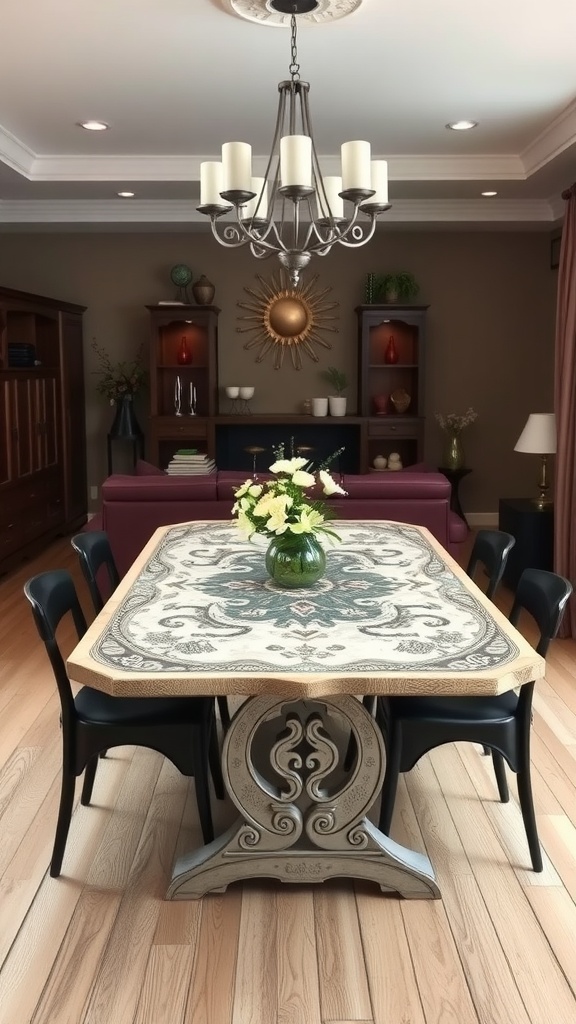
401,286
339,382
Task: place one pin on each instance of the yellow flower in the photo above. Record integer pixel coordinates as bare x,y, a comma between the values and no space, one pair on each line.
243,488
244,524
310,520
288,465
272,504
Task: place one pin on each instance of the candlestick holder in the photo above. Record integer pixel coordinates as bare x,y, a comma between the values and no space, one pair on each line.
192,399
178,396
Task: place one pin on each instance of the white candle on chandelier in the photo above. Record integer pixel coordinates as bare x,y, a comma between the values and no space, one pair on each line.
237,166
332,187
211,183
296,160
355,165
259,186
379,179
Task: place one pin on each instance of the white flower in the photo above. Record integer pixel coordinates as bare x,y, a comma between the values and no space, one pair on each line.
244,524
255,491
288,466
302,479
272,505
329,484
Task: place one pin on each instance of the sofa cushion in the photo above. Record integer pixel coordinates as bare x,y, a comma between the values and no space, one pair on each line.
147,469
163,488
407,485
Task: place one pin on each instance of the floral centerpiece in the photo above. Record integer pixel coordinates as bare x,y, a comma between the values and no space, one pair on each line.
454,423
120,380
281,510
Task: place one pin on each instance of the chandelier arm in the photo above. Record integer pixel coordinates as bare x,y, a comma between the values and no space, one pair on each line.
363,237
229,233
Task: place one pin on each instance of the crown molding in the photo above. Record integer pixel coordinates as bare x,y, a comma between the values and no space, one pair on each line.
554,140
405,211
15,154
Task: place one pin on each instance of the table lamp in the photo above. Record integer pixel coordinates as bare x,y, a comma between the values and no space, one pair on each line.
539,438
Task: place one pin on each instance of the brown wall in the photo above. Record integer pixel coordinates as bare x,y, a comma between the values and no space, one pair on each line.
490,328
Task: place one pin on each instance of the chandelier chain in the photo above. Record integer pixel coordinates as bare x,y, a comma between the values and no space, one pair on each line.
294,67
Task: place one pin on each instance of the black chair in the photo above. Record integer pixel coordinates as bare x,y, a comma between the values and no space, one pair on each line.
414,725
181,728
96,558
490,549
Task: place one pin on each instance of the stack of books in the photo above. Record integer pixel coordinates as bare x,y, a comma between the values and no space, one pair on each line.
190,462
21,354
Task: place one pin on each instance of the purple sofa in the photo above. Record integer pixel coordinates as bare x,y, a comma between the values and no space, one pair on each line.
134,506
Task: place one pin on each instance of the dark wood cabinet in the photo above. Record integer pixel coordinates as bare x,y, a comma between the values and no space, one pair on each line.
180,333
533,530
391,351
42,424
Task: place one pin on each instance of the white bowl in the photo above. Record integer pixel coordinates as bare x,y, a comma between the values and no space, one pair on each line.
232,392
246,393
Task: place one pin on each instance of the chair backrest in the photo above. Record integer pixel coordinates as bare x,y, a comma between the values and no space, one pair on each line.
544,596
52,596
94,551
491,549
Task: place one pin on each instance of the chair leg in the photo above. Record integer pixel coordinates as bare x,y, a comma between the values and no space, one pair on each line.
215,763
529,817
500,773
63,825
224,712
486,750
393,754
200,754
89,776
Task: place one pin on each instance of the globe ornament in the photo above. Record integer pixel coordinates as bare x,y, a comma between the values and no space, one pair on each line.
181,276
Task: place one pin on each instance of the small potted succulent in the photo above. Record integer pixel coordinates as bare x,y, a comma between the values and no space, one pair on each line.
339,382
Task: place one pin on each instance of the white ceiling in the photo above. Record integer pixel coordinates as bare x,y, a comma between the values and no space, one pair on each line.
176,78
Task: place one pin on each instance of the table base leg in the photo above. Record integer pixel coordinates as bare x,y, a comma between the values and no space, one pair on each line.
302,818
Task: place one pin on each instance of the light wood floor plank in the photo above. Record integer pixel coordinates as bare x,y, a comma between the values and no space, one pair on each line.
297,958
211,994
344,993
165,986
256,983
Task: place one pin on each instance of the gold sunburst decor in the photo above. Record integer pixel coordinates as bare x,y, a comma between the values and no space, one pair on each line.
287,319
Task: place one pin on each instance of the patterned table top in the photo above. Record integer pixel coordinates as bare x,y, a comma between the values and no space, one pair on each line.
197,613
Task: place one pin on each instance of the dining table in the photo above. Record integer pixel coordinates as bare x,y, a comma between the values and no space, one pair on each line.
394,614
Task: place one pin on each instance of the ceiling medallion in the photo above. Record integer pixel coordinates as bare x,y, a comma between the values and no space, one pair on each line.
287,319
264,12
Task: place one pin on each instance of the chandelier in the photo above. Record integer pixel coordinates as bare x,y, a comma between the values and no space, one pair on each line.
293,212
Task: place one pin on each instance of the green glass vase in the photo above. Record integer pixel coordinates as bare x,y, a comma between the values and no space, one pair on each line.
454,452
295,560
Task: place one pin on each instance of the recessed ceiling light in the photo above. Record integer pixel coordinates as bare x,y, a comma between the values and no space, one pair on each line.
94,126
462,126
126,195
489,193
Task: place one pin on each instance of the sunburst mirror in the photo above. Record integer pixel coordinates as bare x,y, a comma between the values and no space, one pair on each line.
282,318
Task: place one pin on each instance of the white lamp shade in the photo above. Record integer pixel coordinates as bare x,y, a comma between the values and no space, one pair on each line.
355,165
539,434
259,186
332,188
296,160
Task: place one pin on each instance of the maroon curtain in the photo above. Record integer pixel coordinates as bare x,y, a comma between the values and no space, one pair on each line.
565,409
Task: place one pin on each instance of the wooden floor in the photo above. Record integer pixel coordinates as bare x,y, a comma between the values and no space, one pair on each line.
100,945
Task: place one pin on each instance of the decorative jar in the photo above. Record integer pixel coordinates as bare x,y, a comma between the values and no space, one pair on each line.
295,560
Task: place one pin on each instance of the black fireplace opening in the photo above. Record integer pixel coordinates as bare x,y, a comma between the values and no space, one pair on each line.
317,442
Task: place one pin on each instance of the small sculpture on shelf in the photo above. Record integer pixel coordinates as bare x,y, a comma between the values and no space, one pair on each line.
181,276
192,399
400,400
380,404
394,461
380,463
178,396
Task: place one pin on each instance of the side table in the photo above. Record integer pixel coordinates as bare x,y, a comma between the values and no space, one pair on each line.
455,476
533,530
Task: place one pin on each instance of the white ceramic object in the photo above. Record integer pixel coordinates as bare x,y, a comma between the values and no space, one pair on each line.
246,393
337,404
394,461
232,392
380,462
319,406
